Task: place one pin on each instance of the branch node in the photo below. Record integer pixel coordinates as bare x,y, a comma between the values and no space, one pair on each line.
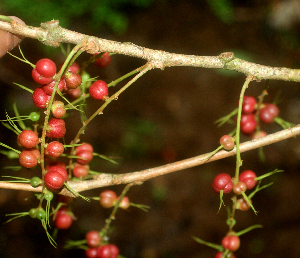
54,33
227,57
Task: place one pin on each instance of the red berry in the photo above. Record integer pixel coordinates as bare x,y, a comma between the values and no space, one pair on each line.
98,89
28,158
220,255
222,182
57,128
75,68
242,204
91,253
108,198
227,141
48,88
231,243
54,180
248,123
63,221
103,61
57,163
55,149
84,147
73,80
58,109
248,106
107,251
80,170
248,177
39,78
40,98
93,238
74,93
239,188
86,157
268,113
59,169
46,67
28,139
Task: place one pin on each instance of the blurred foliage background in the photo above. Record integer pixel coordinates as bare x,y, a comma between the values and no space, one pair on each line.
164,117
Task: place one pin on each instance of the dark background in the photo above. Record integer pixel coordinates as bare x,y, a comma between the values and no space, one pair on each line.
164,117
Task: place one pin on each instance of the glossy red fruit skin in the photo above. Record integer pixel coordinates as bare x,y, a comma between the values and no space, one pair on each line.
59,169
227,141
54,180
48,88
84,147
86,157
40,98
248,123
248,106
74,93
63,221
39,78
91,253
93,238
57,128
98,89
268,113
57,163
220,255
231,243
222,182
28,139
80,171
28,159
247,177
103,61
108,198
107,251
73,80
55,149
46,67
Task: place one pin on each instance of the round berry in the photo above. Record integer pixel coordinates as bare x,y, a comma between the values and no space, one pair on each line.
103,61
248,106
268,113
125,203
242,204
34,116
248,177
73,80
91,253
85,157
98,89
74,93
58,109
220,255
248,123
57,163
32,213
222,182
108,251
48,88
108,198
59,169
227,141
56,128
80,170
48,195
28,139
93,238
28,159
40,98
35,181
239,188
55,149
54,180
40,213
231,243
37,77
63,221
259,134
84,147
45,67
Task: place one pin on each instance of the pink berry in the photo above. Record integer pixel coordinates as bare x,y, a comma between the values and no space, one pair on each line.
57,163
108,251
28,159
220,255
248,106
84,147
73,80
54,180
98,89
239,188
39,78
125,203
222,182
61,170
231,243
56,128
227,141
58,109
93,238
268,113
103,61
91,253
108,198
85,157
55,149
248,177
63,221
74,93
248,123
40,98
46,67
80,170
28,139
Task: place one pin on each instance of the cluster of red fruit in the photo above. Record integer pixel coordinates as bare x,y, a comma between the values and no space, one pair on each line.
267,114
108,199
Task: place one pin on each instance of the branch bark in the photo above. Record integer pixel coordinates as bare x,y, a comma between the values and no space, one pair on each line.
50,33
